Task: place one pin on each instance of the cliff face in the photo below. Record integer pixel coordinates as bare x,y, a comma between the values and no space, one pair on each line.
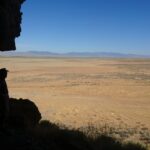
10,20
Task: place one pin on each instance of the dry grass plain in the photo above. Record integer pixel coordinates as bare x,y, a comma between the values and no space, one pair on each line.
79,91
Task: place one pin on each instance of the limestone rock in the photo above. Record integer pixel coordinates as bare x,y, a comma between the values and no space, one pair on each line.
10,20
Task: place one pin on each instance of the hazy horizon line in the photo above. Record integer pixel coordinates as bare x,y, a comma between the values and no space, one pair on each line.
78,52
74,54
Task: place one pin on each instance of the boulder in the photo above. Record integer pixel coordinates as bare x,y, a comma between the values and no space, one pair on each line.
23,114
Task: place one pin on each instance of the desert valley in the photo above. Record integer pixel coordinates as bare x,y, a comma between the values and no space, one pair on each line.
81,91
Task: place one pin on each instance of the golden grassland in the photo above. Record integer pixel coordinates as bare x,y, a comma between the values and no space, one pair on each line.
79,91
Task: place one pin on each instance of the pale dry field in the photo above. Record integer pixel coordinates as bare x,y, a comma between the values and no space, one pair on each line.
79,91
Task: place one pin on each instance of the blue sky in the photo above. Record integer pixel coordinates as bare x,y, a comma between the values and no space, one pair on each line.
86,26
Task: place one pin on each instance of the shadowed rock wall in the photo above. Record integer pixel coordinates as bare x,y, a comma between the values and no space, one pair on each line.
10,20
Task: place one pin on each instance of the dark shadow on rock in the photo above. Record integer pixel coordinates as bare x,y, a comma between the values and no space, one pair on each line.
10,20
23,114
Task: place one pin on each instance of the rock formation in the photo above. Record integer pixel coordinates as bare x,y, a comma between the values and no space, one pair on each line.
23,114
10,20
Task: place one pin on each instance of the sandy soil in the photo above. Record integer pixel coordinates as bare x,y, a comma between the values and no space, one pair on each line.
79,91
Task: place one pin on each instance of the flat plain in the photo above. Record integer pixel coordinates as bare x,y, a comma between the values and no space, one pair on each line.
82,91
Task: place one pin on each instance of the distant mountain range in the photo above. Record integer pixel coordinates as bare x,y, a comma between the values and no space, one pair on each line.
71,54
